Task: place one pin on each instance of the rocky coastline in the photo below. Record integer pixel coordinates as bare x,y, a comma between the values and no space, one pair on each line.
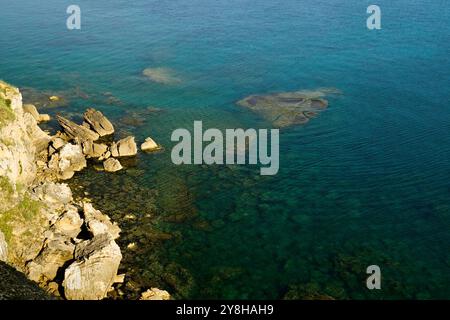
64,245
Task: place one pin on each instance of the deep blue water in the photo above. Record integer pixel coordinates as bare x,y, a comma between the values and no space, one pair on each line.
367,182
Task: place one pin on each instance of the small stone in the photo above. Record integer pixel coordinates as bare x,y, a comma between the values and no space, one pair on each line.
120,278
155,294
149,145
132,246
54,98
44,117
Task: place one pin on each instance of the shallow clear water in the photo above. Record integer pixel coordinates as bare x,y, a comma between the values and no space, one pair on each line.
367,182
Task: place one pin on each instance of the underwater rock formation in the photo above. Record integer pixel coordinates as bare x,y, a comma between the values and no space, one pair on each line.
288,108
161,75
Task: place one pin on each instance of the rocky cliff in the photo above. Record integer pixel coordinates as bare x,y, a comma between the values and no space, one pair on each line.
67,247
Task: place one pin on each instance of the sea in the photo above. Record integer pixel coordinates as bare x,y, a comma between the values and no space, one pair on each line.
365,183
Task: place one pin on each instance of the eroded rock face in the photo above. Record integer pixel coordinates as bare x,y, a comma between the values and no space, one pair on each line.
31,109
3,248
54,193
98,122
288,108
93,273
125,147
69,160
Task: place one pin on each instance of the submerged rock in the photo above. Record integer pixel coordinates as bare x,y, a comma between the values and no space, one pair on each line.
92,274
124,148
112,165
288,108
161,75
149,145
98,122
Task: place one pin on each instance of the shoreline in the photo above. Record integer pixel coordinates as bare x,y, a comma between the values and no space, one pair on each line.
65,245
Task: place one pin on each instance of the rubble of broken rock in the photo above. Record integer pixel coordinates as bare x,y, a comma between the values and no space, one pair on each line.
75,143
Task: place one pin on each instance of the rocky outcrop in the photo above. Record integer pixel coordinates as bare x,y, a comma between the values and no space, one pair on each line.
44,233
150,145
31,109
98,122
75,131
94,271
125,147
112,165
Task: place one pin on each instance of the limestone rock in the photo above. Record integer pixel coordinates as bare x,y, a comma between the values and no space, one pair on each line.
94,271
75,131
155,294
39,138
31,109
149,145
69,160
124,148
53,256
44,117
94,150
112,165
69,223
51,192
105,156
3,248
98,122
98,223
12,94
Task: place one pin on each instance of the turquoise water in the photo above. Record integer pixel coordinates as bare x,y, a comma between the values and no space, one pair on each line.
367,182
